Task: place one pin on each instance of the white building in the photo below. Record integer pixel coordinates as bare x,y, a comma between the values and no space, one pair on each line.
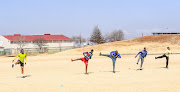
53,41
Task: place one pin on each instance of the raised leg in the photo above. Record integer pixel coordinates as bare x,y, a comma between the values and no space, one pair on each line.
161,56
76,59
105,55
16,63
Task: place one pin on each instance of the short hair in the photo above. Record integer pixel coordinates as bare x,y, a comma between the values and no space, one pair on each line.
167,47
144,47
92,50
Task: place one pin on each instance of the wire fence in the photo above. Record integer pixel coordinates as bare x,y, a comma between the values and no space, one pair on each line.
34,51
5,52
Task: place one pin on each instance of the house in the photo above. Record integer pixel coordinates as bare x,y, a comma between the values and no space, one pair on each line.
1,48
26,41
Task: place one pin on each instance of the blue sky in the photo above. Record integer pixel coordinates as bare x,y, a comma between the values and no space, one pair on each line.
74,17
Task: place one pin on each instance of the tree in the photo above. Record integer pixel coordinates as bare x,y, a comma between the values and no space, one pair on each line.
116,35
40,42
20,40
78,40
96,36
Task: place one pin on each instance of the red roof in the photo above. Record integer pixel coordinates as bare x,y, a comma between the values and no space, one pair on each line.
47,37
1,47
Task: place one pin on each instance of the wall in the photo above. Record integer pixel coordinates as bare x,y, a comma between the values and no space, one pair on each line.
6,44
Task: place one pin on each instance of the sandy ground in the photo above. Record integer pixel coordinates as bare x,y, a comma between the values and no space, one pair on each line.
59,74
56,73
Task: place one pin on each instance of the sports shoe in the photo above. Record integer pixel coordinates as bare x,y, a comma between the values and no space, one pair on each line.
100,54
12,65
137,63
113,71
86,73
72,60
155,57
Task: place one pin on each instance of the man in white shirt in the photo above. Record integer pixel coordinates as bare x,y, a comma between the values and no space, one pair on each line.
167,53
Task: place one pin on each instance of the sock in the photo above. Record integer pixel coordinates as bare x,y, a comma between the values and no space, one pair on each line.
22,75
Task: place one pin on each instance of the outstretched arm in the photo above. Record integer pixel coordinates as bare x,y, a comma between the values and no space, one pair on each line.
84,53
138,54
90,57
15,58
118,56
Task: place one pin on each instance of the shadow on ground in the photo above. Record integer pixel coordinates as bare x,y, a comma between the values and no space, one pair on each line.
24,76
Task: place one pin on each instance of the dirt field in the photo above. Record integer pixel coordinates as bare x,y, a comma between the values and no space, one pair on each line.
56,73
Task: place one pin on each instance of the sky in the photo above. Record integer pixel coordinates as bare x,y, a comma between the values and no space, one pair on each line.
75,17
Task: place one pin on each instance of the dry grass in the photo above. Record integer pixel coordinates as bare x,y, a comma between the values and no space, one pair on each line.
154,44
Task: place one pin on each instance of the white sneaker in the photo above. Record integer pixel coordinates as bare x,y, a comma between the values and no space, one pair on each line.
22,76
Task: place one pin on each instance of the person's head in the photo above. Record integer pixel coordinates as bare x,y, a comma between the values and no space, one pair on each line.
116,52
22,51
92,51
144,48
168,48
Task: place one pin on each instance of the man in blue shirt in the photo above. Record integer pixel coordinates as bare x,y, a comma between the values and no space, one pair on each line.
142,55
113,55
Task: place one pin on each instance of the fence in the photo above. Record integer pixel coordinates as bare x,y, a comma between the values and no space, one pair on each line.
46,50
5,52
34,51
1,53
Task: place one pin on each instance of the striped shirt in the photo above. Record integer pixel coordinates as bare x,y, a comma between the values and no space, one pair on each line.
87,55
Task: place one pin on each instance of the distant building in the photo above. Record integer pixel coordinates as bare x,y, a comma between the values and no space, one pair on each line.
161,33
53,41
1,50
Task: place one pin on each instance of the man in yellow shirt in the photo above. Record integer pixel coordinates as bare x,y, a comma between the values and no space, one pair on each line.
22,59
167,53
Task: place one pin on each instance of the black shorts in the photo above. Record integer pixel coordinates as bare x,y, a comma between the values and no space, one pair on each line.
21,64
